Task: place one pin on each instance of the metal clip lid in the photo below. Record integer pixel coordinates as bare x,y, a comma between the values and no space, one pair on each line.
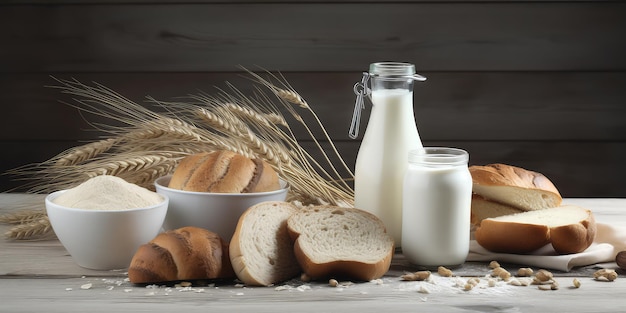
361,90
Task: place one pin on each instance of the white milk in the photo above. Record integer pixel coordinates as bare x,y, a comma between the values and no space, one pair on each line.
382,159
436,208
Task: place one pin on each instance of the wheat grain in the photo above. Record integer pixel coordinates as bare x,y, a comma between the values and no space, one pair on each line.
85,152
292,97
127,164
23,216
36,230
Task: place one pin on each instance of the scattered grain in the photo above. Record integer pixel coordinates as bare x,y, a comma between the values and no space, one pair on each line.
445,272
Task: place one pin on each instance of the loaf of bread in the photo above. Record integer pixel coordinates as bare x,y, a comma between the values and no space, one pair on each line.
483,208
224,172
501,189
261,250
340,242
188,253
570,229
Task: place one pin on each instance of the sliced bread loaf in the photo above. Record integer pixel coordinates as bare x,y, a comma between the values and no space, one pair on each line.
340,242
483,208
261,251
570,229
514,186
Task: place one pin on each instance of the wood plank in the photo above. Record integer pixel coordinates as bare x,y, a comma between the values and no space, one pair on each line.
66,295
449,106
577,168
303,36
47,281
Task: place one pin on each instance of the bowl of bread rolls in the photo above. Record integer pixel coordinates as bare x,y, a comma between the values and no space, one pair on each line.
211,190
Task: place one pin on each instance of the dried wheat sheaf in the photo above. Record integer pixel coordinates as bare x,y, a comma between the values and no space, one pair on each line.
141,143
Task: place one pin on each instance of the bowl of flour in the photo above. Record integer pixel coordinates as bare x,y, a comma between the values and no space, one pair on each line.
103,221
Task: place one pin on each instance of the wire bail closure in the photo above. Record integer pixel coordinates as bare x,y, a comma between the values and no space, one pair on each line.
361,90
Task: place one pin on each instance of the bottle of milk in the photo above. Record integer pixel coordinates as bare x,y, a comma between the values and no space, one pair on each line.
391,133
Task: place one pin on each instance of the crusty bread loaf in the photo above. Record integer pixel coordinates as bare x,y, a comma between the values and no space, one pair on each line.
187,253
570,229
224,172
483,208
514,186
261,250
340,242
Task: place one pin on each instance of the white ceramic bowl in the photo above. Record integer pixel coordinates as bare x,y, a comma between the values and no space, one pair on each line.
104,239
216,212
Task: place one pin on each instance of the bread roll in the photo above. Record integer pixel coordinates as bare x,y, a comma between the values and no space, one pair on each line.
187,253
224,172
340,242
515,187
570,229
261,250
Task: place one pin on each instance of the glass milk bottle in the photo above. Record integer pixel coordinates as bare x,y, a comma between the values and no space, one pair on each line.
436,205
390,134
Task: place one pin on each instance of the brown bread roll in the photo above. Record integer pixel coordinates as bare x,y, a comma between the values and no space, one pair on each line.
187,253
224,172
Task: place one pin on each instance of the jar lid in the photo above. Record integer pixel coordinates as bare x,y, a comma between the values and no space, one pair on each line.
397,69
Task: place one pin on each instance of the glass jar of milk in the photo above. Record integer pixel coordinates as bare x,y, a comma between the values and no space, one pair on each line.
391,133
436,207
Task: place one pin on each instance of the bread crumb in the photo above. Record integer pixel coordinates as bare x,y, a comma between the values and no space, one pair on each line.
303,288
377,281
305,278
68,289
423,290
86,286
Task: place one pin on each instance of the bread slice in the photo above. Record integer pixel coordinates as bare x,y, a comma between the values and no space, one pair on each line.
261,251
483,208
570,229
340,242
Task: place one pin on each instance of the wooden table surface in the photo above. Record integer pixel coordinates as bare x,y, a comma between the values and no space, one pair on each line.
39,276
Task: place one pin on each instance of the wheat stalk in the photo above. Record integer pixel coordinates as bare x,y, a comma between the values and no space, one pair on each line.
36,230
151,144
85,152
23,216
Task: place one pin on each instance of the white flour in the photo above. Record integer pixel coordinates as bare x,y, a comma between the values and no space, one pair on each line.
108,193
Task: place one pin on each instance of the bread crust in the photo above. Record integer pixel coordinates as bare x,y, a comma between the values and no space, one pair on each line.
574,238
342,268
516,238
187,253
507,175
224,171
482,208
243,264
523,238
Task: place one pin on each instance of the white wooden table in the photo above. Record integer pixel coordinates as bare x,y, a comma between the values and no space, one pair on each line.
39,276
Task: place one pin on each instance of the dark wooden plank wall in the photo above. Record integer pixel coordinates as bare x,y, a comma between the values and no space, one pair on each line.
538,84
